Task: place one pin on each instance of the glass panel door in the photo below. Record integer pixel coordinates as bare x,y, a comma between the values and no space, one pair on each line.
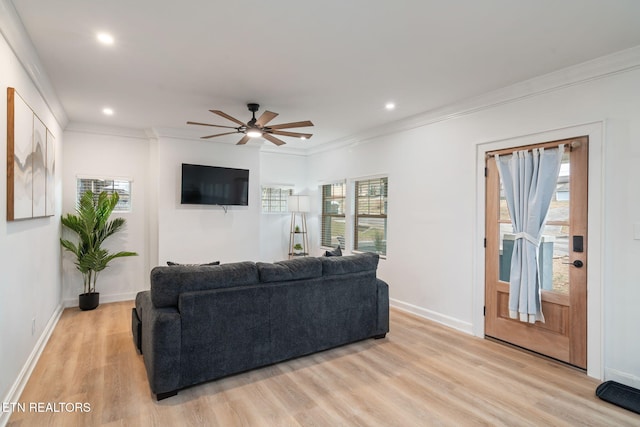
553,254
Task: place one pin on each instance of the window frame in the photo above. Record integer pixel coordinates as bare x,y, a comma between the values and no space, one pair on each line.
384,216
281,187
122,206
323,214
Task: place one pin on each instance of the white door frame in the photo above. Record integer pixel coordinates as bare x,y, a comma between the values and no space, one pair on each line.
595,132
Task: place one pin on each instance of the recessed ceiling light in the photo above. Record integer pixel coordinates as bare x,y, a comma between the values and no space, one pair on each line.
107,111
390,106
105,38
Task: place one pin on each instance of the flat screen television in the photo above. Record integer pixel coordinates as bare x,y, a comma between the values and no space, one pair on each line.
213,185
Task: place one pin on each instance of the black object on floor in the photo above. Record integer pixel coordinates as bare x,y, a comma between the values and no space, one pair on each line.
619,394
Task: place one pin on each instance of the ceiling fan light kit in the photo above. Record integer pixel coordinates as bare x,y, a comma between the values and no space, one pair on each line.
256,128
254,133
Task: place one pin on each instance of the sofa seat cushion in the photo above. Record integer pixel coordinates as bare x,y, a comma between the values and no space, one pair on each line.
167,283
292,269
337,265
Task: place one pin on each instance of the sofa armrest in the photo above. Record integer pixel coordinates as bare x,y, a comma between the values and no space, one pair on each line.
161,344
383,307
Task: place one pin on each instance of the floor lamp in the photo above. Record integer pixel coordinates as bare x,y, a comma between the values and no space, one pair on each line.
298,205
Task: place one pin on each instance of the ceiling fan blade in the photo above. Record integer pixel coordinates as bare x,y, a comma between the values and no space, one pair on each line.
218,134
207,124
294,134
273,139
292,125
265,118
244,140
228,117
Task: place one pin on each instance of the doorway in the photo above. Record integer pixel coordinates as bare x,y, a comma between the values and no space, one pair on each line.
562,259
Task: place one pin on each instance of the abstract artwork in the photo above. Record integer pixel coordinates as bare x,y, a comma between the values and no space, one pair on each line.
38,153
50,173
29,168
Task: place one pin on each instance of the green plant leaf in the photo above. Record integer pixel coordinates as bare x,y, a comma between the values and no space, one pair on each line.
92,227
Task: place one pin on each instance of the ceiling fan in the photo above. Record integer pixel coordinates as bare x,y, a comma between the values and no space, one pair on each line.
256,128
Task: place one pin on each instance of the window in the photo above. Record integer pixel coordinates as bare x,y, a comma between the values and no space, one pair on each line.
274,199
333,218
370,228
97,186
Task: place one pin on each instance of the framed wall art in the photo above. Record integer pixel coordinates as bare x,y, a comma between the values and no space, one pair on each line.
30,162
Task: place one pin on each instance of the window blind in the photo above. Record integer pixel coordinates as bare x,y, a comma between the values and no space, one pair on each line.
274,199
333,214
97,186
370,233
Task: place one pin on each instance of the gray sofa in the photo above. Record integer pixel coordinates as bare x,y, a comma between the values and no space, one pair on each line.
200,323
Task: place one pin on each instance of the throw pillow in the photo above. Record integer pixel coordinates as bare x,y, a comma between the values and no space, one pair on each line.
336,252
172,264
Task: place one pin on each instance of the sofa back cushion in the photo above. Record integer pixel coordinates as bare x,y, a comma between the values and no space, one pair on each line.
224,331
167,283
338,265
317,314
292,269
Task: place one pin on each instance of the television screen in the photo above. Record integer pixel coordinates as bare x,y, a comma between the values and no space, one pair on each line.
212,185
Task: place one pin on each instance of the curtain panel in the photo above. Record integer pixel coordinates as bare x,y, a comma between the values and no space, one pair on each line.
529,179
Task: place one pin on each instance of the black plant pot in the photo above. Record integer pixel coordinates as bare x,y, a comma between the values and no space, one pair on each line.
88,301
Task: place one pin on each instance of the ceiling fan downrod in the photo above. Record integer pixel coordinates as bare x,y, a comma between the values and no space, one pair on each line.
253,108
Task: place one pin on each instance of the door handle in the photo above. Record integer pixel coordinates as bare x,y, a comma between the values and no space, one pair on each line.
577,263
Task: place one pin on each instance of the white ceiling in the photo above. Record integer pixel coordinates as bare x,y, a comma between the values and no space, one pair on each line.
334,62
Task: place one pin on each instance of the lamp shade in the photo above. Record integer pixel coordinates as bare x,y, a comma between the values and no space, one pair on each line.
299,203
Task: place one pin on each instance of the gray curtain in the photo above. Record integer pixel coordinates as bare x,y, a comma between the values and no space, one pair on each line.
529,179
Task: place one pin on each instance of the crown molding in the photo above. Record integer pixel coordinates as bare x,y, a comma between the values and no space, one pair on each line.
268,147
602,67
193,135
90,128
174,133
170,133
20,43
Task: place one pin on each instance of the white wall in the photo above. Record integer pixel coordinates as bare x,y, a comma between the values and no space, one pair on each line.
101,155
433,181
30,278
429,207
200,234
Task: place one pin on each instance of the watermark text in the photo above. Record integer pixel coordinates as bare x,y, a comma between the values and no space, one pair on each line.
54,407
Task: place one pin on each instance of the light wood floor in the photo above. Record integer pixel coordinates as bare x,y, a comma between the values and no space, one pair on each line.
422,374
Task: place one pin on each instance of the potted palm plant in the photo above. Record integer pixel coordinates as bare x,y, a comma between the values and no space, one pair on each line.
92,227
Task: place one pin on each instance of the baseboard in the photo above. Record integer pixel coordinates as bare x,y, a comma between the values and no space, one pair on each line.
130,296
25,373
622,377
432,315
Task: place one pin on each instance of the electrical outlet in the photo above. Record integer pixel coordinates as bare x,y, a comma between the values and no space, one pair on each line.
33,326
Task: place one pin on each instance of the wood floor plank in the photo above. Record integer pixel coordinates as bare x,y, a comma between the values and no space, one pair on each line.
421,374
